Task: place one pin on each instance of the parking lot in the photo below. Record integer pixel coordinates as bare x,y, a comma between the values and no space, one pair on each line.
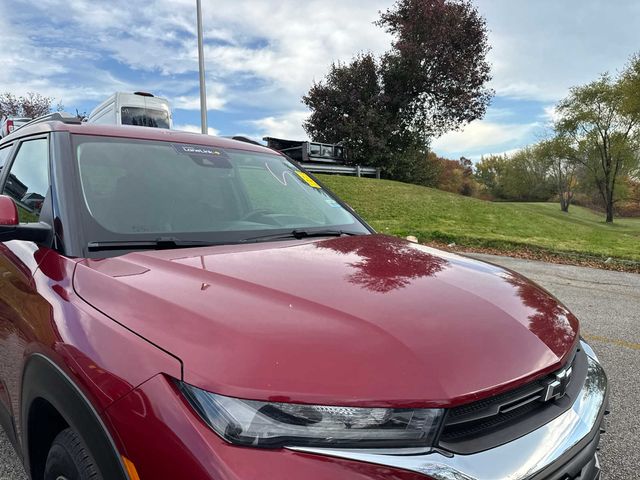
608,304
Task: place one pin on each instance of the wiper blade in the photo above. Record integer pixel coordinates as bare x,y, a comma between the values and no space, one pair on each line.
299,235
162,243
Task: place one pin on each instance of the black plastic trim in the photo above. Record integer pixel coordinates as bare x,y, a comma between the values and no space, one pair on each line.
516,425
67,201
40,233
43,379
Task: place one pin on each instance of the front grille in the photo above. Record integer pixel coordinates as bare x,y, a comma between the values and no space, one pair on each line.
497,420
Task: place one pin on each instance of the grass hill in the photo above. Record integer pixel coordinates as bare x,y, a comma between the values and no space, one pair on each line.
433,215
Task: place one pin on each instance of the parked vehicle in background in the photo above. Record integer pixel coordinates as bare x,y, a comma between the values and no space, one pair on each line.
181,306
12,123
139,108
320,157
308,151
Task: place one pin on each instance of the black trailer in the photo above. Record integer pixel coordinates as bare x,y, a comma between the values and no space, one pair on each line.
320,157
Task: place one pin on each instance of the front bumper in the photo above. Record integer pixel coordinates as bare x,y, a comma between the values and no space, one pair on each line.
156,429
565,448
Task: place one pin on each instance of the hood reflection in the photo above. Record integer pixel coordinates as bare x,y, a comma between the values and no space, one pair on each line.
550,321
386,263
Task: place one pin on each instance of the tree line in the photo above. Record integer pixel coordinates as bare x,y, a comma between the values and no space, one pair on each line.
433,79
386,110
31,105
592,154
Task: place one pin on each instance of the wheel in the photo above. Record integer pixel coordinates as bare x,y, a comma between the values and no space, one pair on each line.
69,459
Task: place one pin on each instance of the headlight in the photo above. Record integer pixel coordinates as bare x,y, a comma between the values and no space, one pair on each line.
273,425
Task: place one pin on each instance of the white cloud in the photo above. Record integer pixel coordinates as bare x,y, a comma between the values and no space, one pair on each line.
67,74
496,114
20,58
296,41
215,99
483,137
551,114
508,153
263,55
276,49
542,48
196,129
288,126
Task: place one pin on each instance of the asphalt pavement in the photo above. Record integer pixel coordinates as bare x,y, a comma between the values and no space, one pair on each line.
608,306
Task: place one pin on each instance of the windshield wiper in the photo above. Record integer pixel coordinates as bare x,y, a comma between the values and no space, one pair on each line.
299,235
162,243
166,243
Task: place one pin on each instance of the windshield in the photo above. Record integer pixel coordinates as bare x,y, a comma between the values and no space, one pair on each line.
145,117
145,190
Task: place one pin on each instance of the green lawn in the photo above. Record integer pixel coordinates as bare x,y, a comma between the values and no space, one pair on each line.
429,214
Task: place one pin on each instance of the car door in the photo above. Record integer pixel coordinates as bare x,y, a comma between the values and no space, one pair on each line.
21,308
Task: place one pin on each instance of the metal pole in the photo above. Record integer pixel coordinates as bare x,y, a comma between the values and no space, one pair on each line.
203,86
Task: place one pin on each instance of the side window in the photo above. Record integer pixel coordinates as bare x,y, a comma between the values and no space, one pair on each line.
4,156
28,180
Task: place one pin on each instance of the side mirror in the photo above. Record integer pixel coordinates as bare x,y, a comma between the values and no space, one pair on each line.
12,229
8,212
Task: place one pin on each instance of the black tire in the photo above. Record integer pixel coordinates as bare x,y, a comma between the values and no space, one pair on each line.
69,459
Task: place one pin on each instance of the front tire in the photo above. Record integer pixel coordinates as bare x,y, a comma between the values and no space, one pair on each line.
69,459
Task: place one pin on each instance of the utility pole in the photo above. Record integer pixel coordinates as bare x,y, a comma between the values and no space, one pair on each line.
203,86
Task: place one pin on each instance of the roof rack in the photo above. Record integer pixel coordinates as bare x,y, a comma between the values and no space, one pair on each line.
241,138
63,117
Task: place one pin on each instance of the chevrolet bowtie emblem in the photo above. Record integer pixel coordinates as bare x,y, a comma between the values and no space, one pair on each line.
557,388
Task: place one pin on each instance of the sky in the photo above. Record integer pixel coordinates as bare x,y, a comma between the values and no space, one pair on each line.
262,56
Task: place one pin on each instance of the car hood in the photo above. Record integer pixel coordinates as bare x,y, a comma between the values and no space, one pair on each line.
362,321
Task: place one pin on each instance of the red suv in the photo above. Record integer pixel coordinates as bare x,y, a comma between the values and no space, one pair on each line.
179,306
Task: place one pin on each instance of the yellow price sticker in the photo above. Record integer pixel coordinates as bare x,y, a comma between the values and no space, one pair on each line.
308,180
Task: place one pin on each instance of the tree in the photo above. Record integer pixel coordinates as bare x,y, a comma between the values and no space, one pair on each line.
346,107
32,105
602,120
563,167
526,177
521,176
432,80
452,178
490,171
436,73
469,185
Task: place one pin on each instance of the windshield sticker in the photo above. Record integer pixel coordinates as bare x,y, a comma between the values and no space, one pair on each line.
308,180
205,156
333,203
197,150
